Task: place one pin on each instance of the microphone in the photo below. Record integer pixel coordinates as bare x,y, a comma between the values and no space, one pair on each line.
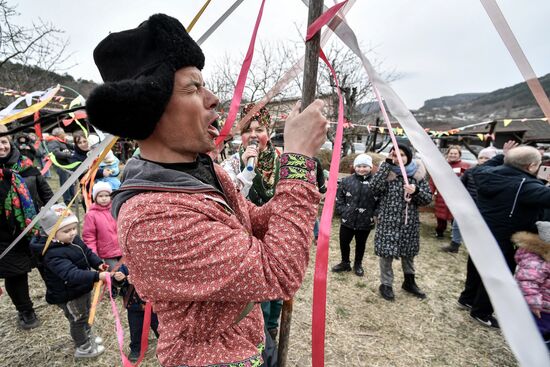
251,162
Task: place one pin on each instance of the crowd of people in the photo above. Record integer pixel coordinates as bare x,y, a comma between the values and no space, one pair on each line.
215,248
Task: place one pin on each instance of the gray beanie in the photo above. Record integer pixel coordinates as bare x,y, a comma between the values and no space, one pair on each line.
363,159
52,215
544,230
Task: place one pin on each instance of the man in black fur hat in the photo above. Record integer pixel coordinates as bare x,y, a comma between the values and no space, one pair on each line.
196,249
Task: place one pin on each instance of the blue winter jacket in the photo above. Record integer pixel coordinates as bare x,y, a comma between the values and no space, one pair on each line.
67,268
510,200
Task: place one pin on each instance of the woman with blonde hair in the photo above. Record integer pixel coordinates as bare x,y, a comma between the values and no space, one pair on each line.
442,212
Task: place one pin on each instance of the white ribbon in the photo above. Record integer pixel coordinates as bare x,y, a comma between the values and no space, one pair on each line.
516,321
70,181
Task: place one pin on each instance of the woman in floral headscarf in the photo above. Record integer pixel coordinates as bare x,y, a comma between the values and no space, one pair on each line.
258,183
20,183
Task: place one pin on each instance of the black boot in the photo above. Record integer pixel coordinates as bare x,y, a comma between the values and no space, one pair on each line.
343,266
386,292
409,285
452,247
28,320
358,270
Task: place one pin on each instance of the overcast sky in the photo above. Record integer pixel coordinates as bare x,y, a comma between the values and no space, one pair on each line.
441,47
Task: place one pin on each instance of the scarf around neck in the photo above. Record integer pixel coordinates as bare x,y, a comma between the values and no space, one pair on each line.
410,169
18,203
19,163
267,174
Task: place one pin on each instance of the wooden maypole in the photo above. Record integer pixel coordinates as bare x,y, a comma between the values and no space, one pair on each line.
308,95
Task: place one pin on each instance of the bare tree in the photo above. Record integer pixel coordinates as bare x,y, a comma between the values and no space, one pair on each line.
41,46
271,61
356,89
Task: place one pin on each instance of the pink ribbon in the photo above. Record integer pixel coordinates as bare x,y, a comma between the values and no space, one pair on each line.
236,101
321,260
120,332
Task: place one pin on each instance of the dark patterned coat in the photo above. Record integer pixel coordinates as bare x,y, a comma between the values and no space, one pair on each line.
393,237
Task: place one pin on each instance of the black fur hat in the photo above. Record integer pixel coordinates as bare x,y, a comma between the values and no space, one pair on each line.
138,66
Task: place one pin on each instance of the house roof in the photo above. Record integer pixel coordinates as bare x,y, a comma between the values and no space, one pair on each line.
535,130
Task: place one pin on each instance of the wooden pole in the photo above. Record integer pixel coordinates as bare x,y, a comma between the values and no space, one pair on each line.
309,89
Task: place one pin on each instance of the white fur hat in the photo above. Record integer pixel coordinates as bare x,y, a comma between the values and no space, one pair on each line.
101,187
362,159
544,230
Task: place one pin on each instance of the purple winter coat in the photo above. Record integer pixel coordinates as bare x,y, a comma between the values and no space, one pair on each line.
533,271
100,232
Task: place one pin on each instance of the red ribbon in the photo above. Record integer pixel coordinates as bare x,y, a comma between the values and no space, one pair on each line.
236,101
46,166
321,260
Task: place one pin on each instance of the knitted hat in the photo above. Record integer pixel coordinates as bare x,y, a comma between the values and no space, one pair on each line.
489,152
52,215
138,67
101,187
362,159
544,230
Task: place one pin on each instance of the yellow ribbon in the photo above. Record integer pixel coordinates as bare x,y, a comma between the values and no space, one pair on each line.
192,24
96,291
31,109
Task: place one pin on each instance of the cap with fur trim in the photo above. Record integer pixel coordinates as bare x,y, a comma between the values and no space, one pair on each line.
138,66
362,159
52,215
101,187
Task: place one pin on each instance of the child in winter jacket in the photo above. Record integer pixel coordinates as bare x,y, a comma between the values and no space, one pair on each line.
69,277
100,231
398,227
355,204
136,312
533,274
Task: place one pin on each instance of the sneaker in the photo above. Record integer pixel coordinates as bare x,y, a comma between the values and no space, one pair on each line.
133,356
343,266
89,350
28,320
488,321
95,338
464,305
358,270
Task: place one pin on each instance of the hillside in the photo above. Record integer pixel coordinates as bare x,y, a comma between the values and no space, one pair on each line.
27,79
516,101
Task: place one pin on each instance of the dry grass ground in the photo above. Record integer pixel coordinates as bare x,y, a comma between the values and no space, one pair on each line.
362,328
